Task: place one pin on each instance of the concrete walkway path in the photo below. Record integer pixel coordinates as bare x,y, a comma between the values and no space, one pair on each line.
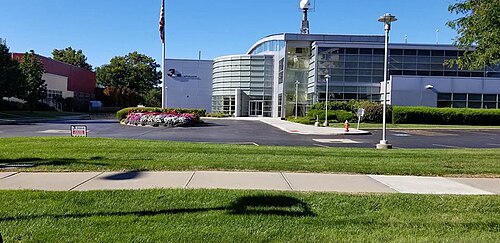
293,127
83,181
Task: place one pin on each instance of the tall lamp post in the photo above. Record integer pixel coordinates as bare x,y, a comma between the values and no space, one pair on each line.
327,77
387,19
296,97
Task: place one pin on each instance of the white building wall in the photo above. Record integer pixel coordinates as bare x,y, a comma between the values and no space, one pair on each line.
412,91
58,83
191,85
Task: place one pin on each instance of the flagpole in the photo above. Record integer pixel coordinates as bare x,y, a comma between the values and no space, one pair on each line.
164,85
163,81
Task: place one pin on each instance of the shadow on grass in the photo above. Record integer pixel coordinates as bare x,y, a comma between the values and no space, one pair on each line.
273,205
250,205
35,162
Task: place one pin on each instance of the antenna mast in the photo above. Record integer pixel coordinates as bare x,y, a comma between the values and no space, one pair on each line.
305,5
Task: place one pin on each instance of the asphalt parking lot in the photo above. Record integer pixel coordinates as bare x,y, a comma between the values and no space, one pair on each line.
256,133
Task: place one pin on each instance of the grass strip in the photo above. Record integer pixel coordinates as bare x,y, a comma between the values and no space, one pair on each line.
104,154
36,114
245,216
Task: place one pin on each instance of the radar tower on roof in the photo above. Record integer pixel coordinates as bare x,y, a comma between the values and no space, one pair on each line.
305,5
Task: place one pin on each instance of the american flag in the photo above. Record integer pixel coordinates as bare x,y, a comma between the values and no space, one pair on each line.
162,22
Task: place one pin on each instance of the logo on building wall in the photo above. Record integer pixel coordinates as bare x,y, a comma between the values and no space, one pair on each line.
178,76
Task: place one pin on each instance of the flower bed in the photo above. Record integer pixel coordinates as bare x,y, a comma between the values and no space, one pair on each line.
156,119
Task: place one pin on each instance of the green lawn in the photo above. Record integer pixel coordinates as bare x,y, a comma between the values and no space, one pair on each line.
245,216
36,114
99,154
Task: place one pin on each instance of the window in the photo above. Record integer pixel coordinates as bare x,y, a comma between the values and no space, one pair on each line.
410,52
394,52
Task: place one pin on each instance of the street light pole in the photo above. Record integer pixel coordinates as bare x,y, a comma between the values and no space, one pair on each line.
296,97
386,19
327,77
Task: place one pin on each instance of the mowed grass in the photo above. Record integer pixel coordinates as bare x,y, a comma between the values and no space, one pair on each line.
245,216
35,114
99,154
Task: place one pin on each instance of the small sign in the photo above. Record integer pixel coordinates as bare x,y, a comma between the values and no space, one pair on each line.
78,131
361,112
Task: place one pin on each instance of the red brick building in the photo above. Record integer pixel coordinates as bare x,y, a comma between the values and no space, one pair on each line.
66,80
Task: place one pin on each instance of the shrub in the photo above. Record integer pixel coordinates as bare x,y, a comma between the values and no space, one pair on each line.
302,120
342,111
455,116
374,112
218,115
351,106
321,115
122,114
342,116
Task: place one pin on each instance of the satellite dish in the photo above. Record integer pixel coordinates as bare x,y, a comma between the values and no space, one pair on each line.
305,4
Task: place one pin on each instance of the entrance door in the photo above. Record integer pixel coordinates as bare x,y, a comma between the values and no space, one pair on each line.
255,108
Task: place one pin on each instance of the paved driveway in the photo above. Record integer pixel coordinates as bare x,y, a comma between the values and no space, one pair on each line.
258,133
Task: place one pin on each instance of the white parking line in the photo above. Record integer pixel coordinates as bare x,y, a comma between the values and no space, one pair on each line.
55,131
335,141
494,144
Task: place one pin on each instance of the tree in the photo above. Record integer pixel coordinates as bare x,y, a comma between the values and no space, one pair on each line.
479,32
71,56
32,70
135,72
153,97
11,80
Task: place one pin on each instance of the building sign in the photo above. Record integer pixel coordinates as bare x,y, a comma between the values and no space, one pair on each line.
361,112
178,76
78,131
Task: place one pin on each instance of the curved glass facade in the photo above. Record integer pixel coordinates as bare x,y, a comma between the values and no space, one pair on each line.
242,84
272,45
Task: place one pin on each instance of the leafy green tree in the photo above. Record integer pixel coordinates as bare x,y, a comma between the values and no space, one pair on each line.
11,81
135,72
71,56
152,98
32,70
479,32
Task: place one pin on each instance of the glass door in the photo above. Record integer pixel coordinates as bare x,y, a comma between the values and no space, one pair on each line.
255,108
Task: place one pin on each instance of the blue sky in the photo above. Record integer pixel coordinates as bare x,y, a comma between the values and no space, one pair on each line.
107,28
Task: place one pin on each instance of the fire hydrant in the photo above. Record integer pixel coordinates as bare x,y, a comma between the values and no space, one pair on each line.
346,126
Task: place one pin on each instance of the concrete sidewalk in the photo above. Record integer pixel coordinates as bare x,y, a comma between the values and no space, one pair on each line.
83,181
297,128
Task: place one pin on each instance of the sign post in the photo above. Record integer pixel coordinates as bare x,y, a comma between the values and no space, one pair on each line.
78,131
360,114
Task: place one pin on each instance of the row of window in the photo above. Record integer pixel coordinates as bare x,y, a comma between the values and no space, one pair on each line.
53,93
273,45
466,100
392,52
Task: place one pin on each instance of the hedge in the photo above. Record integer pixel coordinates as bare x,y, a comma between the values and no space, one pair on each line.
339,111
122,114
452,116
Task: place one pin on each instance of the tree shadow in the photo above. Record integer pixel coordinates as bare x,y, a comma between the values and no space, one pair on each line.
124,176
249,205
271,205
35,162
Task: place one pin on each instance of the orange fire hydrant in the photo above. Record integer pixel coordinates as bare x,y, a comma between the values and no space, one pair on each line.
346,126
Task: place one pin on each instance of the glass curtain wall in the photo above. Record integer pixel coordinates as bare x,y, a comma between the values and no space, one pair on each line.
355,73
297,71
